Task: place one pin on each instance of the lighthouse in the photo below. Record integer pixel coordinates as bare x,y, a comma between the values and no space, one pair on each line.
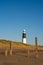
24,36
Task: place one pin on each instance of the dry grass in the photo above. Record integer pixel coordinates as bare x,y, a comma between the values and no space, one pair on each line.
6,44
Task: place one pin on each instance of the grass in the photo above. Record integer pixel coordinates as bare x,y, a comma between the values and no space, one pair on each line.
6,44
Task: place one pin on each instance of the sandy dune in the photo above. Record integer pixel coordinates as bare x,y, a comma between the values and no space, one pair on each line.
21,57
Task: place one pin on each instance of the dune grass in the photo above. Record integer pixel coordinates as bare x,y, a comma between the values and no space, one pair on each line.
6,44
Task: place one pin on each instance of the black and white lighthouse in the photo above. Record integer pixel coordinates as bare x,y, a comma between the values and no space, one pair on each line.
24,36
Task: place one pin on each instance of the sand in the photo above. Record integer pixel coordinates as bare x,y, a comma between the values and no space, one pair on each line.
21,57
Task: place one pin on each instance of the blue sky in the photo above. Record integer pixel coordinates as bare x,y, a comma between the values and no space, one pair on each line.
16,15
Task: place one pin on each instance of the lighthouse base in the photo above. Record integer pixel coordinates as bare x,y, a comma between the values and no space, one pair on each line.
24,40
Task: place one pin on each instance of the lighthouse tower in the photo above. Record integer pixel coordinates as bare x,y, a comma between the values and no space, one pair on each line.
24,36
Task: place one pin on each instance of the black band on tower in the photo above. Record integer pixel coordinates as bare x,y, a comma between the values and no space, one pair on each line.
24,35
